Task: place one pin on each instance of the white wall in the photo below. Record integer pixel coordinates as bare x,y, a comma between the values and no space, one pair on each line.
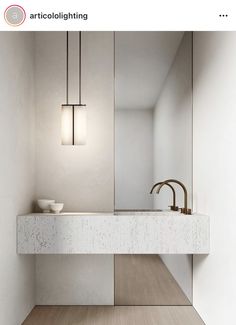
81,176
16,171
214,98
173,147
75,280
133,158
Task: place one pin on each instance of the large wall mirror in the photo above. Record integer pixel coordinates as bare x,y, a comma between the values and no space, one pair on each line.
153,142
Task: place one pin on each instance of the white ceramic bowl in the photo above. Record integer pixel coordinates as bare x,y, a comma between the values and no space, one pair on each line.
56,207
45,205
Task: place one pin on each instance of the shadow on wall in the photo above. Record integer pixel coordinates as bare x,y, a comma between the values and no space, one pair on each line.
198,260
207,64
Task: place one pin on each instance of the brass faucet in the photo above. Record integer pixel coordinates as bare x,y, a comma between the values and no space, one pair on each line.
173,207
185,209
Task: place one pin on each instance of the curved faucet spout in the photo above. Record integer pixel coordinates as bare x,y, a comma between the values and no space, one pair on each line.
184,210
173,206
155,185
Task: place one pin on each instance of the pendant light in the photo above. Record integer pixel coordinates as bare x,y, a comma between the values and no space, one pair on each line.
73,116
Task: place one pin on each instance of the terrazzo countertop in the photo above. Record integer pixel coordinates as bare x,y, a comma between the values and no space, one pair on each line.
107,233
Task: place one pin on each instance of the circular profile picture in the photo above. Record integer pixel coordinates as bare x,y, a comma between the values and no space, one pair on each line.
14,15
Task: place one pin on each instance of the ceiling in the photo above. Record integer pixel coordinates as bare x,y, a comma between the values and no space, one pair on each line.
142,62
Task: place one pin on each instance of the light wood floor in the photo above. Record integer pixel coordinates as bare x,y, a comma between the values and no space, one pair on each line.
118,315
145,280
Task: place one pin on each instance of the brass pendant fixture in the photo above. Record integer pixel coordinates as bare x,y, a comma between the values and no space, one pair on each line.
73,116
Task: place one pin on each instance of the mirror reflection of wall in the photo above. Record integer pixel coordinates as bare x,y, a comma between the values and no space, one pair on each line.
153,142
134,158
153,120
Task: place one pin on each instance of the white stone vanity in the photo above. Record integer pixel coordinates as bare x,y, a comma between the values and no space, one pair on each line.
134,232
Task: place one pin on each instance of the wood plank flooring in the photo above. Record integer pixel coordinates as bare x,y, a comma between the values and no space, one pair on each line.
109,315
145,280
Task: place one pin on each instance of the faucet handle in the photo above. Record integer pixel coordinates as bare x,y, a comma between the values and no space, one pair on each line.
174,208
186,211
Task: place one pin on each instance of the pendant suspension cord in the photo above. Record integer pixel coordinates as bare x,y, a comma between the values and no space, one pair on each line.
67,68
80,72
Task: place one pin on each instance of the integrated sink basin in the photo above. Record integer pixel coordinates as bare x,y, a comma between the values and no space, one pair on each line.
121,232
157,212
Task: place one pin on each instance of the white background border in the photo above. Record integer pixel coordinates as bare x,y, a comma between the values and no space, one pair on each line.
128,15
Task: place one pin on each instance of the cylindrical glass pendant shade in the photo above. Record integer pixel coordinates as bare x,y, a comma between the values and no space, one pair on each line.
66,124
74,124
80,125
